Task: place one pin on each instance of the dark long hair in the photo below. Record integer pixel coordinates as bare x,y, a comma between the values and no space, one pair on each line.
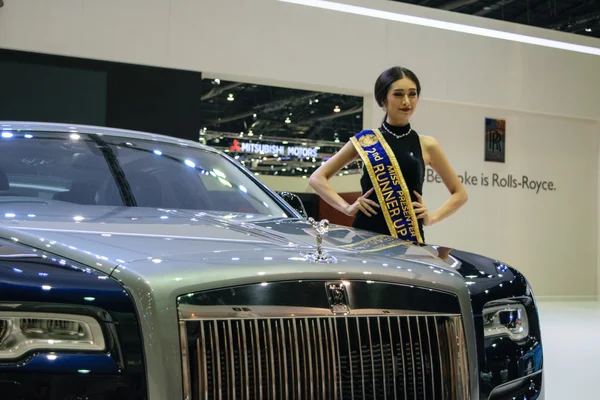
389,76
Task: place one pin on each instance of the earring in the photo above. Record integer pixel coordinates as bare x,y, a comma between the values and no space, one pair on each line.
383,109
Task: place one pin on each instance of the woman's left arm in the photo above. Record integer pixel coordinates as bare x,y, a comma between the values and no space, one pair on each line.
458,194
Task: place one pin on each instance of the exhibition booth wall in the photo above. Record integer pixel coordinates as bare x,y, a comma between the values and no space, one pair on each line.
548,98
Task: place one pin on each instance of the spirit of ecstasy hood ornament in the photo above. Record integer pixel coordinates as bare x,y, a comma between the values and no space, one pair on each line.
321,228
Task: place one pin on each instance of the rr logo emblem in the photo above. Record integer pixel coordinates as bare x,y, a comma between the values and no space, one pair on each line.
338,297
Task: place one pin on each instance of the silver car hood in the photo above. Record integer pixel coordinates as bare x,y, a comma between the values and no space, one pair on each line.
185,250
160,255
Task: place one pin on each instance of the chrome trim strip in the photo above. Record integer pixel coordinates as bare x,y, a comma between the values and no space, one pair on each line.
393,353
217,355
382,358
228,345
310,367
212,356
350,357
238,330
273,385
189,312
437,333
204,363
297,357
462,377
318,373
412,357
336,351
402,354
330,357
200,374
430,357
418,320
322,353
372,357
187,381
362,367
259,360
246,359
304,355
282,353
253,344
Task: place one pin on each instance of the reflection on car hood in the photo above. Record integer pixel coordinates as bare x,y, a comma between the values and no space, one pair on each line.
140,239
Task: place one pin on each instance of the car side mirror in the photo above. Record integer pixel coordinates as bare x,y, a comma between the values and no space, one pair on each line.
295,202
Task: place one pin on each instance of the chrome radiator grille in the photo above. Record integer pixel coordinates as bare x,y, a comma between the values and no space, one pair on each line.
332,357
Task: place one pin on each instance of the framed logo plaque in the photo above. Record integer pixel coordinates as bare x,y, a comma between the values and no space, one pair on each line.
495,140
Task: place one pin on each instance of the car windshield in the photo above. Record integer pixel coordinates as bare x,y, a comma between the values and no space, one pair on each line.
104,170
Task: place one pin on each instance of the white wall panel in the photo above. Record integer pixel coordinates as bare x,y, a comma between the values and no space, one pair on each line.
134,31
549,97
266,39
298,46
551,235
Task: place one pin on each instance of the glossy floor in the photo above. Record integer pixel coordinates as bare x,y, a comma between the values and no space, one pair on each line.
571,334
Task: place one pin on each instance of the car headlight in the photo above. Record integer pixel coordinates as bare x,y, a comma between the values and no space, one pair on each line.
22,332
506,320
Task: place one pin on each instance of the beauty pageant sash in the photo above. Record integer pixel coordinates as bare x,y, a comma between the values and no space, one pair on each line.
388,181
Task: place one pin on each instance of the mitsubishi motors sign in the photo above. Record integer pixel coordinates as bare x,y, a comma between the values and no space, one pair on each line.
274,149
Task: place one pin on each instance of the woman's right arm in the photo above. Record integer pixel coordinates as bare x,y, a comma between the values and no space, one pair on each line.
319,181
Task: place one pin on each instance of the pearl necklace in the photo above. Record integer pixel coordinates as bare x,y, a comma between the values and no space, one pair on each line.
397,136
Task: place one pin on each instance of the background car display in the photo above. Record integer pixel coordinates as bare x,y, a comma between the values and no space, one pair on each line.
139,266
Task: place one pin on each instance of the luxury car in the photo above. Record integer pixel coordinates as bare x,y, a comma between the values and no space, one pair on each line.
140,266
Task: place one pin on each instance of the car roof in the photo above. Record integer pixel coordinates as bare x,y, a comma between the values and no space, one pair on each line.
90,129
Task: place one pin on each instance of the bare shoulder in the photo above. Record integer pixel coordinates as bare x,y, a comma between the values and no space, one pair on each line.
429,148
429,142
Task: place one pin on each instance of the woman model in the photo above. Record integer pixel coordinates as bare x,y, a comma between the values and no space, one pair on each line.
394,158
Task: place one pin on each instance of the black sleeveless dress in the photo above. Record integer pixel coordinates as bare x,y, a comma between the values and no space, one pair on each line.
410,159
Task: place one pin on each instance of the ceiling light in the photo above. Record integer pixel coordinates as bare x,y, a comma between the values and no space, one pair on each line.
450,26
588,29
230,97
337,109
288,120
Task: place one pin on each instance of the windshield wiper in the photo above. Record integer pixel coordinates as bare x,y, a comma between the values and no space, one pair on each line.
116,171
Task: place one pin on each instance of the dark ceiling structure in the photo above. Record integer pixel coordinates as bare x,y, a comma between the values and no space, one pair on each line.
303,128
581,17
237,107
